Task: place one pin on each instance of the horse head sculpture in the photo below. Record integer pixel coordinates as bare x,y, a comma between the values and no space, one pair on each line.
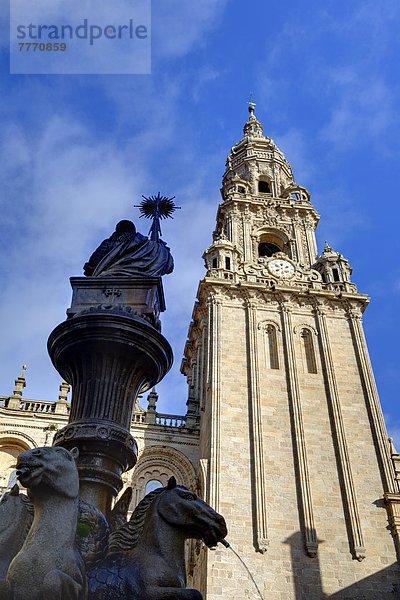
184,510
147,555
51,476
49,467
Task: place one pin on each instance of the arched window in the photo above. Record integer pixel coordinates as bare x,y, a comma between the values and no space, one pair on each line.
152,485
9,452
335,274
271,242
267,249
264,187
272,344
309,353
157,464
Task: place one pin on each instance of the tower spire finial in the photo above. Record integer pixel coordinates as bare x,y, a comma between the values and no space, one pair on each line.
20,382
252,105
253,127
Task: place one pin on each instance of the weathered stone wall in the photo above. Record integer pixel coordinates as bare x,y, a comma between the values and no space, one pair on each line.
285,571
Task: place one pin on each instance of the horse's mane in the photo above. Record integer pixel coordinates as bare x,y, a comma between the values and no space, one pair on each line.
126,537
8,521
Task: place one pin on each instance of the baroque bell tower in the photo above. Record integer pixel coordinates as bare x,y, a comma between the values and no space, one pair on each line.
293,445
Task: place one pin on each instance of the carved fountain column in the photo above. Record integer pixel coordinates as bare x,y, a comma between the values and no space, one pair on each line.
109,349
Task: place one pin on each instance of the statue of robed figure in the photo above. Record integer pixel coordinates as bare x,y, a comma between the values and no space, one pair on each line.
127,253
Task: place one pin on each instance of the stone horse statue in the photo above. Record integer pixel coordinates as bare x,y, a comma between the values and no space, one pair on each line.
146,558
16,516
49,565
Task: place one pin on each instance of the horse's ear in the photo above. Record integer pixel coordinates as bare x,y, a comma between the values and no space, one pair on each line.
121,507
171,483
74,453
14,490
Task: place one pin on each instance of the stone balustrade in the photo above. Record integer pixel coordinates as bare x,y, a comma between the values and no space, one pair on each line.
36,406
166,420
159,419
54,408
139,417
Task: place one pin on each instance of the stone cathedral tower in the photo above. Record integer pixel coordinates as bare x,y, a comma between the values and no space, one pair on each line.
293,445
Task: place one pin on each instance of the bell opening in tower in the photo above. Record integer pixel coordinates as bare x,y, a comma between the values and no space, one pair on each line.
264,187
267,249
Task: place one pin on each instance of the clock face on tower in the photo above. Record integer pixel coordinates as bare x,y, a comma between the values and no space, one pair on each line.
281,268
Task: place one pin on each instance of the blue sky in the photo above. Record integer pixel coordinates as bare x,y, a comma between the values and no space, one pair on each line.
77,152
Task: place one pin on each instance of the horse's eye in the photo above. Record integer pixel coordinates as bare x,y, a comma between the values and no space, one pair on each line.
189,496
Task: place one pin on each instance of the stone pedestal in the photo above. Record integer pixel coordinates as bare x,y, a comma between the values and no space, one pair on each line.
144,295
109,353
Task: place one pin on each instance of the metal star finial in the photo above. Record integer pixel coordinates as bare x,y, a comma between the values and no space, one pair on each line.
157,208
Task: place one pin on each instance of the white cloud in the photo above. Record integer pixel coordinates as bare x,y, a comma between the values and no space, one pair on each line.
180,26
363,110
296,149
71,190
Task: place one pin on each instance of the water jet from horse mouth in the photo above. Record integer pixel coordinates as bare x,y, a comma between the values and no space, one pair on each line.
227,545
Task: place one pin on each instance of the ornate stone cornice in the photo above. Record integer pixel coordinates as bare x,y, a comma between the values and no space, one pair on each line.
275,210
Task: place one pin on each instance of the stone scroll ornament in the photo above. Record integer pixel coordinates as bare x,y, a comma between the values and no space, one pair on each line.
127,253
54,545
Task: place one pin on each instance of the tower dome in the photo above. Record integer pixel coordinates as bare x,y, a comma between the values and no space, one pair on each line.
334,269
255,164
